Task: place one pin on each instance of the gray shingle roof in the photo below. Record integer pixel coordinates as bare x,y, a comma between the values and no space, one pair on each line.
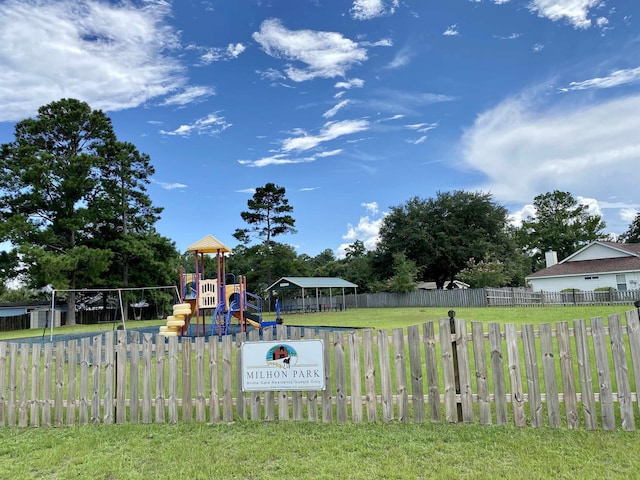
311,282
604,265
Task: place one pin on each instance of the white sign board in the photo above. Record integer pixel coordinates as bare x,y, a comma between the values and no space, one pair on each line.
282,365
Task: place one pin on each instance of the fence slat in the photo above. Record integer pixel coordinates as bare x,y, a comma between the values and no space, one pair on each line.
83,400
23,405
621,369
58,405
549,372
3,382
371,396
134,377
533,375
241,397
201,403
227,379
121,377
515,375
385,376
327,399
567,375
312,395
147,346
633,331
341,377
464,372
13,380
604,374
214,380
415,369
172,399
109,377
160,401
34,414
96,379
400,367
187,399
72,364
356,377
497,371
585,374
431,362
481,373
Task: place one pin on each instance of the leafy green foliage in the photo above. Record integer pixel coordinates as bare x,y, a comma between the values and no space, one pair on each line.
441,234
267,215
479,274
405,272
561,224
74,204
632,235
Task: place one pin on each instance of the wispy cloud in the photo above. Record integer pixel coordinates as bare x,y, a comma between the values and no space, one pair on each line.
91,53
217,54
573,11
422,127
402,58
330,131
169,186
352,83
614,79
335,109
285,159
212,124
323,54
189,95
451,31
368,9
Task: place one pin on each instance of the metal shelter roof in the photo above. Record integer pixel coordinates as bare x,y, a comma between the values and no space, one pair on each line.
286,283
209,244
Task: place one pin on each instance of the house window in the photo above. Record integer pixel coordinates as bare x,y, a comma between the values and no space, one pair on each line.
591,278
621,281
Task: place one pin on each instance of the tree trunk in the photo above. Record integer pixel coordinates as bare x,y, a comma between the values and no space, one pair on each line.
71,308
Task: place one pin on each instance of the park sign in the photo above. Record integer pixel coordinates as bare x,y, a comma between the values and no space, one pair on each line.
283,365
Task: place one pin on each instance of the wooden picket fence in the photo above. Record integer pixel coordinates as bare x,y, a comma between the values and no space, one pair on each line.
576,375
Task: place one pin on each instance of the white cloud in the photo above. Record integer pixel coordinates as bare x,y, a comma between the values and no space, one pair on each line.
574,11
525,150
324,54
367,230
335,109
451,31
189,95
614,79
628,214
330,131
169,186
401,59
212,124
217,54
368,9
352,83
418,141
422,127
113,56
283,159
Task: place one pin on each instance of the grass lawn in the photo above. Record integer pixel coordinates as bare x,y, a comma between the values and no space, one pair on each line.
257,450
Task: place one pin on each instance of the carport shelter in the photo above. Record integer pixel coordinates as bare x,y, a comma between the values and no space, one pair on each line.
313,283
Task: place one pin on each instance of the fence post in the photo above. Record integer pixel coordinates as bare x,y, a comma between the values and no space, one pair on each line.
456,371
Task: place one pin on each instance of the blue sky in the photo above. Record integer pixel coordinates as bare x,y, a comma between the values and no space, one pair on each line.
354,106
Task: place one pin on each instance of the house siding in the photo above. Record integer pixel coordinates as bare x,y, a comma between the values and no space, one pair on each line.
597,251
580,282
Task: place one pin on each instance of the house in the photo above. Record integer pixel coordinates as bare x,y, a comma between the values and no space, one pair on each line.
597,265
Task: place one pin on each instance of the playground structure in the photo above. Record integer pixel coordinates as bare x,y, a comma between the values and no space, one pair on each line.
215,298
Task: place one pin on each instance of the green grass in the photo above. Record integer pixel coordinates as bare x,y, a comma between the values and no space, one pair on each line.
256,450
315,451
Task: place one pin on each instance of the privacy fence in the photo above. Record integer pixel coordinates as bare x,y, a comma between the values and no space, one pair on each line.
580,374
475,297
